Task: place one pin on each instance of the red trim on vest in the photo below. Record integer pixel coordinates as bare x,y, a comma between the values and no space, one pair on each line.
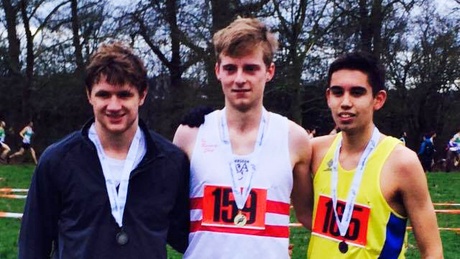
269,231
276,207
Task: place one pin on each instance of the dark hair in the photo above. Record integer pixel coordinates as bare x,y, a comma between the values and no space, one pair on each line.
430,134
118,65
364,62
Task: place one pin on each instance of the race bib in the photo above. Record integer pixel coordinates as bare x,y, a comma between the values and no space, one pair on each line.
219,207
326,225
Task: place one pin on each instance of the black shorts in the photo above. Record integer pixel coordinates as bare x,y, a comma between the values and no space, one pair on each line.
26,146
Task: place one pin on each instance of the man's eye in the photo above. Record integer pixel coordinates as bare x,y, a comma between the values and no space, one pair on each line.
251,68
125,94
358,91
336,91
102,94
229,68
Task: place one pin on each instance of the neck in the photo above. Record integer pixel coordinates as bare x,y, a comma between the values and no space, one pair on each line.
243,128
116,145
242,122
356,142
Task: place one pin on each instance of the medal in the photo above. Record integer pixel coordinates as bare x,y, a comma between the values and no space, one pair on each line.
122,238
343,247
118,194
343,222
240,220
242,168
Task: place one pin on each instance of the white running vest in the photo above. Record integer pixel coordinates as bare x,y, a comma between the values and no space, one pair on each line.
213,231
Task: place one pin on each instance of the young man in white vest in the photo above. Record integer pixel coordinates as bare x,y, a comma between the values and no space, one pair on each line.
247,164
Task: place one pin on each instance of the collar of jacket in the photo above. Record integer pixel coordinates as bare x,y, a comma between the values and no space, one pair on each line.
153,151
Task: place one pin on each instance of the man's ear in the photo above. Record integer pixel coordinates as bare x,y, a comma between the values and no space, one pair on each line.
217,70
270,72
142,96
327,93
380,99
88,95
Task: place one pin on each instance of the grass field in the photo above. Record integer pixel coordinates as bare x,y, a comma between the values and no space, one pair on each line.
444,187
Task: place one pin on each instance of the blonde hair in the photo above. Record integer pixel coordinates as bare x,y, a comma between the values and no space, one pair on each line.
242,36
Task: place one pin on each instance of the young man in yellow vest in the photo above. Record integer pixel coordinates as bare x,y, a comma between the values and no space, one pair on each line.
366,185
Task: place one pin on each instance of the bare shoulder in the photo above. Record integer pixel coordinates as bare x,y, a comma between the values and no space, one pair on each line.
185,138
403,162
296,132
320,145
403,179
299,142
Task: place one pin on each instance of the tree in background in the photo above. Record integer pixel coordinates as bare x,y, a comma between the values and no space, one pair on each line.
47,42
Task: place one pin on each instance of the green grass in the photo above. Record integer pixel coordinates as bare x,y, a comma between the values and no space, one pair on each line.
14,176
444,187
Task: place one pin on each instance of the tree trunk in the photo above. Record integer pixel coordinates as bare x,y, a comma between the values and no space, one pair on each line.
76,39
30,59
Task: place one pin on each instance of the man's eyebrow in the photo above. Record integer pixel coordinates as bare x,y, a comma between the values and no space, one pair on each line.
335,87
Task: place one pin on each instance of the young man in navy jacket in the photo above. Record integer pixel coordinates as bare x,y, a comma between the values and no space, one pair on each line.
113,189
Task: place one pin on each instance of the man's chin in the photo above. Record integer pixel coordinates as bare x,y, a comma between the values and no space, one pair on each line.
115,130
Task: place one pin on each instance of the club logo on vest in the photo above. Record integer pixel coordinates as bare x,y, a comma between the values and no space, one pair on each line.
329,166
241,167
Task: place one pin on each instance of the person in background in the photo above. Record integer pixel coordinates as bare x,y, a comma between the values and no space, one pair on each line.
455,140
5,147
247,163
366,185
403,137
114,189
454,146
311,132
427,151
26,134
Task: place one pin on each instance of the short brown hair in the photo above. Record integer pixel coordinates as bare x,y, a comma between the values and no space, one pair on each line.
118,65
242,36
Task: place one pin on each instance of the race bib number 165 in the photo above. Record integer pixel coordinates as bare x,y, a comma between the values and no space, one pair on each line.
326,224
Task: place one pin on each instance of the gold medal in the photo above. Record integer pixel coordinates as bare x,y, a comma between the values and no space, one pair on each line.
240,220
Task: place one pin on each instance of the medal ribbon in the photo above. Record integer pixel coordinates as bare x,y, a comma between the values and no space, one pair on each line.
353,192
117,200
241,194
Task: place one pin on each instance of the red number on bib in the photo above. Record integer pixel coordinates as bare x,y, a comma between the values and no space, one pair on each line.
326,225
219,207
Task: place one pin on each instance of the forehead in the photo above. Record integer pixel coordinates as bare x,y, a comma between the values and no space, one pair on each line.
252,57
103,85
349,78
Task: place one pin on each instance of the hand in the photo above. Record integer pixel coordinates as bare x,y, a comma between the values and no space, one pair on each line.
195,116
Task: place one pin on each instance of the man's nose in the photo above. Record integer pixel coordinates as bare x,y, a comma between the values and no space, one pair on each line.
240,78
114,103
346,101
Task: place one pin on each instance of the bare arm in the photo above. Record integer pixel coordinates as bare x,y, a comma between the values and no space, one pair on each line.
22,132
302,192
415,201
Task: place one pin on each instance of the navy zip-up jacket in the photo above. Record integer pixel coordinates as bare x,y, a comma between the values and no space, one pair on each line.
68,215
